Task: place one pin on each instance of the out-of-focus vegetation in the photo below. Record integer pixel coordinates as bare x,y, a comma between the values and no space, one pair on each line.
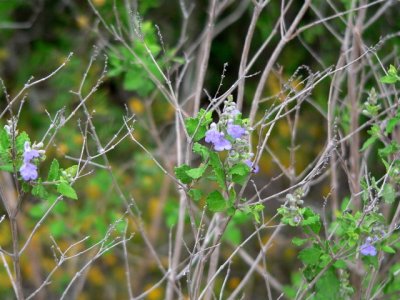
37,36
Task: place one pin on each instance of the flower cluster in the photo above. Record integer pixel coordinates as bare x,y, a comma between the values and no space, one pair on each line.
232,133
28,169
367,248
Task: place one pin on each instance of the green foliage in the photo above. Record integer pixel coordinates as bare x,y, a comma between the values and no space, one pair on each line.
136,65
180,173
195,194
392,76
328,286
216,202
218,170
67,190
54,172
196,173
197,127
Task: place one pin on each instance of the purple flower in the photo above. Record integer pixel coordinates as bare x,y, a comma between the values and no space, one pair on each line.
212,135
222,144
235,131
368,249
28,171
217,139
254,169
29,153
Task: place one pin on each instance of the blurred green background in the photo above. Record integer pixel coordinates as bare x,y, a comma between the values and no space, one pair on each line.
37,36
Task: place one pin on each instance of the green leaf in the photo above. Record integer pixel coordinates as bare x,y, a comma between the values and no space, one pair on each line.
72,171
20,141
310,256
216,202
388,249
197,127
4,140
66,190
239,169
389,193
328,286
195,194
392,76
311,219
368,143
392,70
203,151
391,124
218,169
180,173
7,168
39,191
390,149
255,210
298,241
54,171
340,264
196,173
389,79
239,173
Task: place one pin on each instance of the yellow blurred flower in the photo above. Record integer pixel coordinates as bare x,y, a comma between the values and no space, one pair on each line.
99,2
62,149
233,282
92,191
136,105
82,21
3,54
96,277
154,294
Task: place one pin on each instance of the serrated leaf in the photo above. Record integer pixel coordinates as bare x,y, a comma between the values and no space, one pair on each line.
197,126
66,190
216,202
54,171
240,169
310,256
39,191
20,141
72,171
4,140
389,194
328,286
298,241
196,173
195,194
201,150
180,173
218,169
311,219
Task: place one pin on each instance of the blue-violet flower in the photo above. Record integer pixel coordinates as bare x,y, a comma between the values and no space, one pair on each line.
217,139
235,131
28,170
254,169
368,249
